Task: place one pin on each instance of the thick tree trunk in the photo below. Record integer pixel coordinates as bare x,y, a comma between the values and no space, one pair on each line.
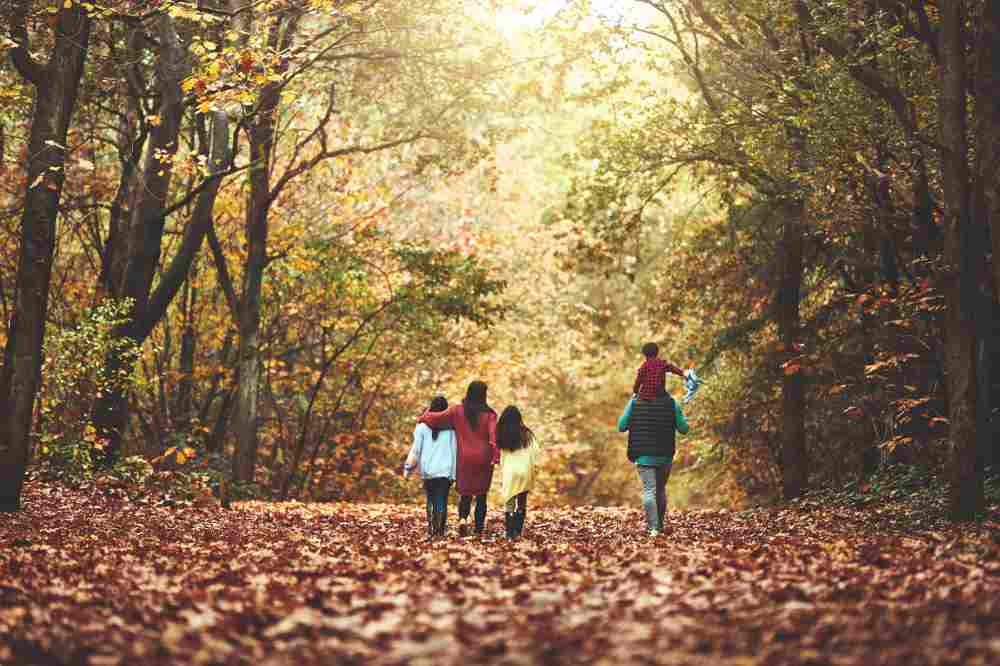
793,433
261,132
988,127
110,412
248,391
986,207
963,259
131,137
56,86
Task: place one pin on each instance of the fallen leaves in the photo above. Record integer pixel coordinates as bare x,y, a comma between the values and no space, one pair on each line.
92,578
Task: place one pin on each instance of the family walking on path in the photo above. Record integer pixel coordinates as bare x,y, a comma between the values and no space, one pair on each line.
464,442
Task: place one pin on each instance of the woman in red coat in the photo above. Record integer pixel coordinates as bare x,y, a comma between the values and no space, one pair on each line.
475,425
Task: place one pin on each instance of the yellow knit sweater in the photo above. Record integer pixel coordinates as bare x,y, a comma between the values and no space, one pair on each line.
518,470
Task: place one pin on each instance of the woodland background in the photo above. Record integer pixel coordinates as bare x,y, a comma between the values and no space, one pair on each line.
242,244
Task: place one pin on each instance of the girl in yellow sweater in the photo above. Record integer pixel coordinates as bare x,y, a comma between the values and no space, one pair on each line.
518,456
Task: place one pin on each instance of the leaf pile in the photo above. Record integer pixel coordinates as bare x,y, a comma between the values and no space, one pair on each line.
94,578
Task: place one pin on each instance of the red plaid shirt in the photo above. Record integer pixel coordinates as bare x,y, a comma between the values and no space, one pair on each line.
652,377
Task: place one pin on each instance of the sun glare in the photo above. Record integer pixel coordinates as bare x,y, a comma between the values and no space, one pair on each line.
532,15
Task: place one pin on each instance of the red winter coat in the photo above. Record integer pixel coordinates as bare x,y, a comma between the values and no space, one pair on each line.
477,449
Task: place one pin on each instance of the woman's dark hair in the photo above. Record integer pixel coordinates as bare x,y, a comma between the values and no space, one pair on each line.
475,402
438,404
512,434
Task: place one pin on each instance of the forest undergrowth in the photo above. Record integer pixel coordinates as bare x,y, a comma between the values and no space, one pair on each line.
96,576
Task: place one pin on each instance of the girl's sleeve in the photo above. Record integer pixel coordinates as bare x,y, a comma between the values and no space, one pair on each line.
440,420
626,416
414,456
491,426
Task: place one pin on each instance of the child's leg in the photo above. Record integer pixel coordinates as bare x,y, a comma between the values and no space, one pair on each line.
522,512
464,506
429,490
445,490
436,495
480,512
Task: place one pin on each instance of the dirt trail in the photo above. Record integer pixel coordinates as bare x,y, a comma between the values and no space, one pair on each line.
93,579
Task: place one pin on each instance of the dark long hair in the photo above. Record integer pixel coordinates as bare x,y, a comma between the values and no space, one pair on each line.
512,434
438,404
475,403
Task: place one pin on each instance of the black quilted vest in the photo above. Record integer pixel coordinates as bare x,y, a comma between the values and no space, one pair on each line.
652,429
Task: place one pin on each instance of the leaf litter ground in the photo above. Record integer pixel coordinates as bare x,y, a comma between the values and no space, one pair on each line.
96,578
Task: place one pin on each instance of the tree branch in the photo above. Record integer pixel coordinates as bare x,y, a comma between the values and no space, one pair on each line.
27,67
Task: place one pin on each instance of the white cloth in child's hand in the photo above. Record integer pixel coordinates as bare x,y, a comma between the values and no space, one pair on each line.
692,382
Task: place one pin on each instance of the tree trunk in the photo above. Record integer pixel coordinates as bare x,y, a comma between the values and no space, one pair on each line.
959,281
131,138
793,432
248,391
56,85
986,207
988,127
110,412
184,406
261,135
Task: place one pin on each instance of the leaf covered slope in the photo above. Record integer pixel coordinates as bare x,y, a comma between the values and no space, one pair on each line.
96,578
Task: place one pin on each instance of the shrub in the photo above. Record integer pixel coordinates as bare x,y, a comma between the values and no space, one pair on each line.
133,470
74,377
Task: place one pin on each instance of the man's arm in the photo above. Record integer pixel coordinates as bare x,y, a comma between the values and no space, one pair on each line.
626,416
682,424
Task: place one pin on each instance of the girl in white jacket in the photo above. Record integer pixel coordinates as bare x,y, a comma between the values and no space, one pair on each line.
436,454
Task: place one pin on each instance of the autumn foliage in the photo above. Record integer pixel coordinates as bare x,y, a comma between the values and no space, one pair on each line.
93,577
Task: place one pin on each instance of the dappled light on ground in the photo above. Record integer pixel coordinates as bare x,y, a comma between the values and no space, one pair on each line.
100,579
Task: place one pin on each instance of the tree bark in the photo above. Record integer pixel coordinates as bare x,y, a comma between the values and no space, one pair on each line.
261,140
988,126
795,470
184,405
963,259
110,412
248,391
986,206
56,86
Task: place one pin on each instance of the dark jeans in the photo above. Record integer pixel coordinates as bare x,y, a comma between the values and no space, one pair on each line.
437,494
465,503
518,503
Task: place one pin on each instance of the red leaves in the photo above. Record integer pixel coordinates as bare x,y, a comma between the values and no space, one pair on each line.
88,578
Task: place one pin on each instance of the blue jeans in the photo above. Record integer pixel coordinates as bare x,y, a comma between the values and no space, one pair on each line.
654,493
437,494
465,503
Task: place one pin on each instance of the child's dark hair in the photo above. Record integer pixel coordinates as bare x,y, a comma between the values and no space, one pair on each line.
512,434
650,350
438,404
475,402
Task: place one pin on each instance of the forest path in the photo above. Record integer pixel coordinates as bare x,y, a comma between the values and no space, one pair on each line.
96,578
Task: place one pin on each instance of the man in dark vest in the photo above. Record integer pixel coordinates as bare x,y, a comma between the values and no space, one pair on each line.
652,426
